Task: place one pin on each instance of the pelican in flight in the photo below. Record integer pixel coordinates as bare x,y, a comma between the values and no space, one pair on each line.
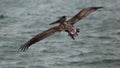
64,25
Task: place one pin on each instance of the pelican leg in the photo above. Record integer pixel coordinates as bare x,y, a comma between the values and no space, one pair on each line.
72,36
78,30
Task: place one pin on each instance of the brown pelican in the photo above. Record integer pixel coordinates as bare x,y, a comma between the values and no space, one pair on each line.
64,25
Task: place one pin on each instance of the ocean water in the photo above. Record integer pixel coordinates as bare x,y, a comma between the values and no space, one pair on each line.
97,46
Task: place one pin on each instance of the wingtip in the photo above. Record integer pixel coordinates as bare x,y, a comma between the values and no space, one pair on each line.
23,48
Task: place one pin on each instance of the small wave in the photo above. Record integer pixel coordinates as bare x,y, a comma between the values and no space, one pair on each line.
99,37
3,16
104,61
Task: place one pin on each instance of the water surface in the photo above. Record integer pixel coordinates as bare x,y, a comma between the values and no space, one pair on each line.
97,46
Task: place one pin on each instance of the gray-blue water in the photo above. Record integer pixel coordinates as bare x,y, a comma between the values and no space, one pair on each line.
97,46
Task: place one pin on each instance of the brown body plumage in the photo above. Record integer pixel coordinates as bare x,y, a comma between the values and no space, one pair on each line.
63,26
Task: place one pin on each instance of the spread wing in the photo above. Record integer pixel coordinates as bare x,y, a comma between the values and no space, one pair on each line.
83,13
39,37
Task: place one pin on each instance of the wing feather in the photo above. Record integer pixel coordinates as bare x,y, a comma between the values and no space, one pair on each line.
83,13
39,37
